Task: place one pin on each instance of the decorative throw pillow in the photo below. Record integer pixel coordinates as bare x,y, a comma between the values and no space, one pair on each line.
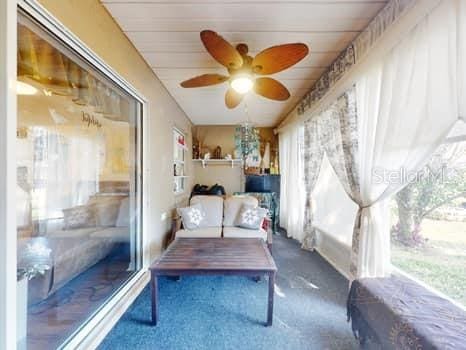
79,217
107,212
125,215
250,217
193,217
106,208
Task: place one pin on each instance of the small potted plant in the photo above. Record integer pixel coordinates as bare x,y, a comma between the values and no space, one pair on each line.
34,259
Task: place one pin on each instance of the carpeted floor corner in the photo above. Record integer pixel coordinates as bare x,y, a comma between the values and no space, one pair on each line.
230,312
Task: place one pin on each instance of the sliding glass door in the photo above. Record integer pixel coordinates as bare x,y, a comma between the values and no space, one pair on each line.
78,192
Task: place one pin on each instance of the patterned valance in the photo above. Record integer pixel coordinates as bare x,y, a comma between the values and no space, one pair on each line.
336,70
360,46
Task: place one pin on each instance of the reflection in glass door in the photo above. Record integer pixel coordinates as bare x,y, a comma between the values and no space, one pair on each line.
78,207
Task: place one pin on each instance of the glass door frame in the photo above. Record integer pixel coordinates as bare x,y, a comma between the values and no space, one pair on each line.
7,174
93,331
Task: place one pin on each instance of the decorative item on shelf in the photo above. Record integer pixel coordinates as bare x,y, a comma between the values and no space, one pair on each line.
204,151
276,166
266,159
181,140
178,170
207,156
196,149
252,170
254,159
228,157
273,170
218,152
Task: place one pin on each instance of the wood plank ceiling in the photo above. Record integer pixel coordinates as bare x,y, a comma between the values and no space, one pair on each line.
167,35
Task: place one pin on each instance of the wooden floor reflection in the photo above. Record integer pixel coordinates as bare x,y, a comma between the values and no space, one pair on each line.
53,320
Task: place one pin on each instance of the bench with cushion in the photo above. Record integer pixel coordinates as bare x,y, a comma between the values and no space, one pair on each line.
398,313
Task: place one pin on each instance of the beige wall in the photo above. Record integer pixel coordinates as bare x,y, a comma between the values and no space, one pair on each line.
211,136
95,27
223,174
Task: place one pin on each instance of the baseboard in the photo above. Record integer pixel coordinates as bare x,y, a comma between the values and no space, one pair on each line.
327,236
334,265
94,332
336,245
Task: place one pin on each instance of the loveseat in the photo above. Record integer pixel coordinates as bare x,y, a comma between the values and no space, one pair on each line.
76,246
220,216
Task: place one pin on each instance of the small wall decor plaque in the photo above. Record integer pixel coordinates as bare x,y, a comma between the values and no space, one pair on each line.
22,132
89,119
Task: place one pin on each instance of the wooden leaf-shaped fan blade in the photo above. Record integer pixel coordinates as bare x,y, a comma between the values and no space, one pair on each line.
277,58
204,80
221,50
232,98
271,89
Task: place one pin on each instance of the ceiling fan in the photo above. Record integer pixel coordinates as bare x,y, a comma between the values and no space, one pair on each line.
243,68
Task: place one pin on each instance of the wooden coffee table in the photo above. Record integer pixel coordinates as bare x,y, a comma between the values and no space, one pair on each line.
214,256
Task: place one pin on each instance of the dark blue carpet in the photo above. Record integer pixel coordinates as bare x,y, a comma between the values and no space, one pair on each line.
229,312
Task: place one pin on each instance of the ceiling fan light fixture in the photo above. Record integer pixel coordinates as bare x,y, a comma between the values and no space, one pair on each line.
242,83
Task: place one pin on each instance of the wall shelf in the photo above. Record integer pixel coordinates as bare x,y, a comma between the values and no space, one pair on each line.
231,162
179,160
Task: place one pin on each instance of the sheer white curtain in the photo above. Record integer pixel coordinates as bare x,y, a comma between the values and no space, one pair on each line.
406,105
292,182
66,169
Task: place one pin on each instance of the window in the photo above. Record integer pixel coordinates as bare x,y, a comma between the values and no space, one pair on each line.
78,195
429,220
179,148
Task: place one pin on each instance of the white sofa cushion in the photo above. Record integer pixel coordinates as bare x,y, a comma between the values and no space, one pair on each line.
205,232
126,214
83,233
233,205
213,208
238,232
106,207
115,234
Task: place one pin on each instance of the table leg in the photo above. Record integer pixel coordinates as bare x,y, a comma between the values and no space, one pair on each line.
270,303
154,298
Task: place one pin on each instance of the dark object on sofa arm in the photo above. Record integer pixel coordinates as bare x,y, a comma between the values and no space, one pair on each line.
398,313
